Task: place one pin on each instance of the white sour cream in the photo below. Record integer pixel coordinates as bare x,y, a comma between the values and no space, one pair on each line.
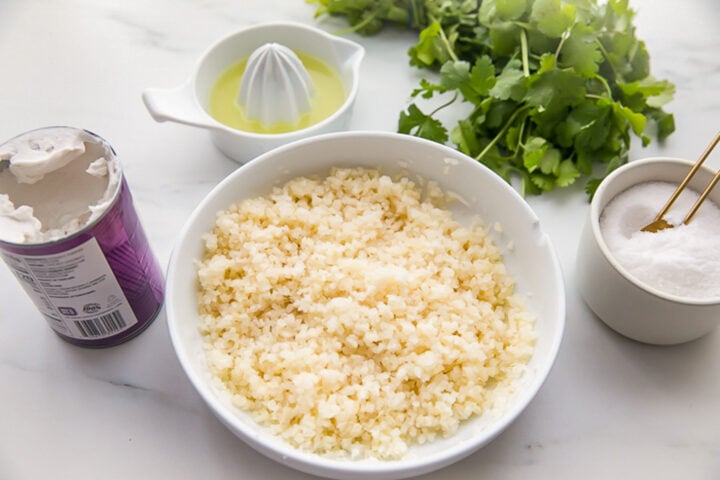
53,183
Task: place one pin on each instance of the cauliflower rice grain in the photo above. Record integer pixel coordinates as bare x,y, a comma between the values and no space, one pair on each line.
354,317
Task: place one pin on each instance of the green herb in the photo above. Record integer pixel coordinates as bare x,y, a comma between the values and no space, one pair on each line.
557,88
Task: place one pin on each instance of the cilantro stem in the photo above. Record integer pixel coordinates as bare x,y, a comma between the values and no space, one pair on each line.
502,131
359,25
524,49
444,105
605,84
565,35
521,134
414,11
607,57
446,44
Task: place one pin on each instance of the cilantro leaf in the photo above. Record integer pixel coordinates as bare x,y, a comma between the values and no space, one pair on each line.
540,155
482,76
415,122
542,181
429,49
492,10
454,74
510,84
464,136
581,50
552,17
655,93
556,89
535,148
567,173
664,122
637,121
505,38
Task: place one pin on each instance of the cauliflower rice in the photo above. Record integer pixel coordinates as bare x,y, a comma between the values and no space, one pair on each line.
353,316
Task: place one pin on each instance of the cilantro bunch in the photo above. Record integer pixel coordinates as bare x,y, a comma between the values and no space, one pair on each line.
555,88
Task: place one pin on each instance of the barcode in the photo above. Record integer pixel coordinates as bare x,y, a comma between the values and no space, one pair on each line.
102,325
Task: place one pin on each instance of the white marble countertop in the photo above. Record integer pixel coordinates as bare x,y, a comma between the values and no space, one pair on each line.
611,407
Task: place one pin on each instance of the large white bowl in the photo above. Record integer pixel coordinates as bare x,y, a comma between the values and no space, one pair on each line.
529,256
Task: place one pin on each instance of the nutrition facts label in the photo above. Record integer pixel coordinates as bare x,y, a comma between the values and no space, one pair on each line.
75,290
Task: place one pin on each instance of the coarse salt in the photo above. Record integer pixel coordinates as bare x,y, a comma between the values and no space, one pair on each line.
682,261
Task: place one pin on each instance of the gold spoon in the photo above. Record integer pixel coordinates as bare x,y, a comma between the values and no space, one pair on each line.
659,222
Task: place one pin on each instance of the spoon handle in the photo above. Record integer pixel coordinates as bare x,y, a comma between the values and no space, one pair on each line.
685,181
700,199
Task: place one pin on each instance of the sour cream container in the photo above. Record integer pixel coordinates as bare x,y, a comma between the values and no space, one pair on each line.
70,234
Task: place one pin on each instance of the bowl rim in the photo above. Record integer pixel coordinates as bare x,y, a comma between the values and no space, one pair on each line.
303,29
407,466
596,212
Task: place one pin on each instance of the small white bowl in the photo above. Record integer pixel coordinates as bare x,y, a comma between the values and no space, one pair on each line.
188,103
528,255
627,305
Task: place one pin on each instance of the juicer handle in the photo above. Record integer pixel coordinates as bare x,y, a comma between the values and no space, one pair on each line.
176,105
352,53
